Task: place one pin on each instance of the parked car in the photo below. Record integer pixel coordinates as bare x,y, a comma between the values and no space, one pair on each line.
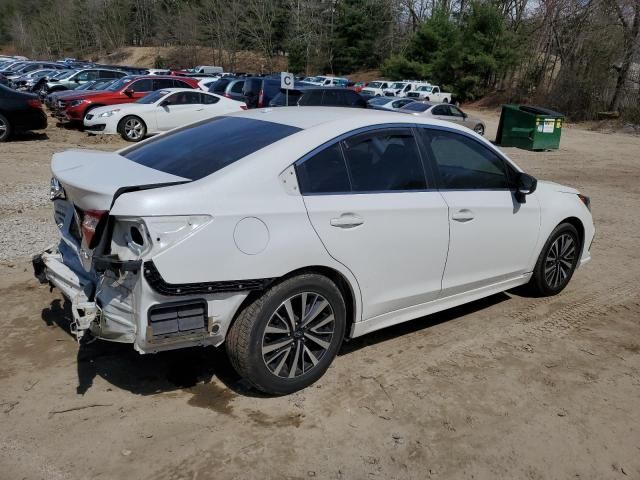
319,97
326,225
443,111
126,90
356,86
158,112
400,89
375,89
388,103
80,77
207,69
27,67
157,71
51,100
234,89
257,92
430,93
325,81
220,86
28,80
19,111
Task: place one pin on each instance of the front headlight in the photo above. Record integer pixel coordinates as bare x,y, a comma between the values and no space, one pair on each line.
109,113
75,103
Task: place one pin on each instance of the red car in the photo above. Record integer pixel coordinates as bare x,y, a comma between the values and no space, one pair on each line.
126,90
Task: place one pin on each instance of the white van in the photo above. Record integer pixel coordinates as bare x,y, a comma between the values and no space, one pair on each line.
207,69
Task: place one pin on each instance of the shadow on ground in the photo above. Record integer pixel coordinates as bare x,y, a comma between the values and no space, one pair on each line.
28,137
181,369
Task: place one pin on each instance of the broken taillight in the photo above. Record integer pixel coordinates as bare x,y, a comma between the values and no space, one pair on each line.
89,224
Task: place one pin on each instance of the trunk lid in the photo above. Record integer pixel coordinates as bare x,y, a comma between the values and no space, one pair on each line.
91,182
91,178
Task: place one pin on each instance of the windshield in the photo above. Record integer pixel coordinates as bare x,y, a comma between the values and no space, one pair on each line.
201,149
153,97
398,85
119,84
375,85
425,88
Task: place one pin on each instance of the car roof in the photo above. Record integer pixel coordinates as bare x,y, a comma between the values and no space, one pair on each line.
346,119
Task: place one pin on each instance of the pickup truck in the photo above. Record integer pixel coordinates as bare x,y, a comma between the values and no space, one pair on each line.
430,93
375,88
400,89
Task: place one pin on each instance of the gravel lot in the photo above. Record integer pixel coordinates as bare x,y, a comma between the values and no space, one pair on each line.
508,387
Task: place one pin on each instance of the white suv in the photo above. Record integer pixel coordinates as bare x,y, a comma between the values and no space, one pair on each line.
326,225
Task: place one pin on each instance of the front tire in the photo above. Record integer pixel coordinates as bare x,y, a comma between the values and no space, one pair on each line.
557,261
286,339
132,128
5,129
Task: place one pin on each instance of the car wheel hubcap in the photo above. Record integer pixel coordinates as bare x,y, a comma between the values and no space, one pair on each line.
298,335
560,259
133,129
3,127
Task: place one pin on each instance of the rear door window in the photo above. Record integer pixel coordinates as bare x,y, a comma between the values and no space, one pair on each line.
386,160
201,149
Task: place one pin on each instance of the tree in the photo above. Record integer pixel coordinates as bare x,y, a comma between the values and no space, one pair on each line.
358,34
628,15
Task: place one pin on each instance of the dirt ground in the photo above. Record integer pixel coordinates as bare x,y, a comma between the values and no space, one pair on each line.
508,387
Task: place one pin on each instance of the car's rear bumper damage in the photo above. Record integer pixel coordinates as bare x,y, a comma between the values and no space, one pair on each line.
114,302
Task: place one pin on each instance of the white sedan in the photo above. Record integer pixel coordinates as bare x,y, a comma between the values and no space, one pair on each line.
281,232
158,112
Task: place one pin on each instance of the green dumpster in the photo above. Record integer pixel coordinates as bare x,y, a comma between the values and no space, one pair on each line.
530,128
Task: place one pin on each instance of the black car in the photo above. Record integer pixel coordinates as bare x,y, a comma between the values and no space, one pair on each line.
19,112
220,86
319,97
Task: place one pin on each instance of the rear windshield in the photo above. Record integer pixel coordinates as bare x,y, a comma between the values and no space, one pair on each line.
204,148
416,107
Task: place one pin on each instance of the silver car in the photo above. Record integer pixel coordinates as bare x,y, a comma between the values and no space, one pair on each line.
445,111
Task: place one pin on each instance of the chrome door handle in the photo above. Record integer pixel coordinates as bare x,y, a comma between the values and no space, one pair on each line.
463,215
347,220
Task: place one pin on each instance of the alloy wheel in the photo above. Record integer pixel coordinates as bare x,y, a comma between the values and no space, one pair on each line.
4,128
479,129
560,260
133,129
298,335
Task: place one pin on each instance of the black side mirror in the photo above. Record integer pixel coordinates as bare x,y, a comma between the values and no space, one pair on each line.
128,92
525,185
164,103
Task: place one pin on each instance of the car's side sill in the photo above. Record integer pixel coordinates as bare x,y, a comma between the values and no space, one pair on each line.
417,311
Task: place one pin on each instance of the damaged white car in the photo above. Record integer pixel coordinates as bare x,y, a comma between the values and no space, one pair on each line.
282,232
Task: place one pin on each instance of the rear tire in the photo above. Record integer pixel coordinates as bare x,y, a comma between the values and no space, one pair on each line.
132,128
286,339
557,261
5,128
446,100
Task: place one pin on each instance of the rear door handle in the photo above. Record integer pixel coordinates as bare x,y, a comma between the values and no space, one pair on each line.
347,220
463,215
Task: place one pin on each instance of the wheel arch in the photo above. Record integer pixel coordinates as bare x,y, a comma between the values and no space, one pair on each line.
346,289
579,226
